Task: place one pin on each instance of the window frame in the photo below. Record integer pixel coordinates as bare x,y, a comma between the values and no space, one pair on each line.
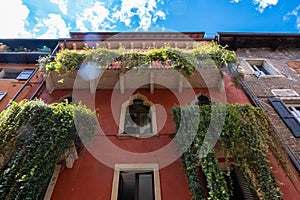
25,72
3,94
123,113
20,72
136,167
261,62
291,104
280,105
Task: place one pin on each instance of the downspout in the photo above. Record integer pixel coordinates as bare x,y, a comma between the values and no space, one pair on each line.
42,84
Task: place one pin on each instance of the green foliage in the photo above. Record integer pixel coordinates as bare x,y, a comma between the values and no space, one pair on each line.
215,178
192,172
207,54
66,60
243,134
40,134
102,56
129,60
179,59
215,52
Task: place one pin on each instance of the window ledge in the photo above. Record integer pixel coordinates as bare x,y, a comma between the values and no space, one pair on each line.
269,76
142,136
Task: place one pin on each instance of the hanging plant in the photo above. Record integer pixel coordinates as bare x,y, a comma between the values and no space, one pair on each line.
243,134
183,60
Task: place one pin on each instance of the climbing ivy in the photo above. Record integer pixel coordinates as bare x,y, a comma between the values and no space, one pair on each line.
243,134
33,135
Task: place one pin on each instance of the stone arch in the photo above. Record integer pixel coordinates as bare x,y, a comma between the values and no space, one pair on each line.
152,112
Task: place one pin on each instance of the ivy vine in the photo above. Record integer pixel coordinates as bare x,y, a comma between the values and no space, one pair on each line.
33,135
243,134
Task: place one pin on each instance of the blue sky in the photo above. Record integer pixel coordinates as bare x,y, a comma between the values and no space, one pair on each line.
56,18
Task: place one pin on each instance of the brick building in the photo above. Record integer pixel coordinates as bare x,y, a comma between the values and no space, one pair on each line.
269,72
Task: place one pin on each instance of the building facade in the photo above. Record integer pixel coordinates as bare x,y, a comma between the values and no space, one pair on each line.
133,153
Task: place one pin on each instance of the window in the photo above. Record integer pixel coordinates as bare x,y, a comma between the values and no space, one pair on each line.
136,185
289,113
25,74
136,182
239,183
2,95
203,100
262,68
138,117
19,74
285,93
295,110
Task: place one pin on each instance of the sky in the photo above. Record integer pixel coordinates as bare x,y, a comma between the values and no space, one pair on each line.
57,18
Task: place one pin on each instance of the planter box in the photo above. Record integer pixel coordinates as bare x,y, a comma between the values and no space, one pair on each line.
137,78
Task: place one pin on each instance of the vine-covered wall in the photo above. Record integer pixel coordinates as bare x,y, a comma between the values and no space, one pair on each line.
33,136
245,133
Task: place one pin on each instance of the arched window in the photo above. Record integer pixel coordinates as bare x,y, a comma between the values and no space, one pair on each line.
203,100
138,117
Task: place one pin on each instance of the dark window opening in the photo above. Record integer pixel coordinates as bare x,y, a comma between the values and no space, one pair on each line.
203,100
262,67
261,70
138,118
241,190
10,75
136,185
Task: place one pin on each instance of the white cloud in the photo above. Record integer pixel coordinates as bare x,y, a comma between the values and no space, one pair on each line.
17,13
89,15
62,4
234,1
94,17
262,4
146,11
159,14
294,13
55,27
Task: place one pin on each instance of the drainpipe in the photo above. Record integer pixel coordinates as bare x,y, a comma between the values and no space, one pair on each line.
37,90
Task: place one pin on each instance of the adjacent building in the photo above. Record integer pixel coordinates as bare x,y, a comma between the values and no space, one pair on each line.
268,70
